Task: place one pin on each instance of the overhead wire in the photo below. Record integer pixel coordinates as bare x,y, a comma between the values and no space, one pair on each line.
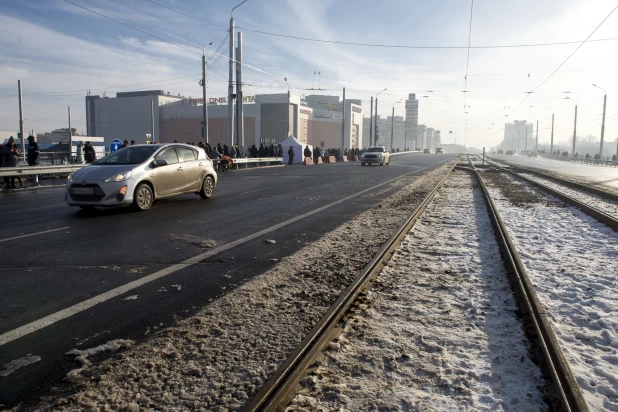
134,28
565,60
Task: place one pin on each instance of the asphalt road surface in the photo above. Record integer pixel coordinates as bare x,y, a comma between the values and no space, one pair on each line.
597,175
66,274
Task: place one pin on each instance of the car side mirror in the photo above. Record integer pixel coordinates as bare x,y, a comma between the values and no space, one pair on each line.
159,163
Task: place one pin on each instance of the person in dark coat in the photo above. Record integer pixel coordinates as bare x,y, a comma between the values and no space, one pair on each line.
290,155
307,152
89,153
34,152
9,153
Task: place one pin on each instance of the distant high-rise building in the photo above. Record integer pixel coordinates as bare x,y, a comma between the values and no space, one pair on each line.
515,135
412,121
421,130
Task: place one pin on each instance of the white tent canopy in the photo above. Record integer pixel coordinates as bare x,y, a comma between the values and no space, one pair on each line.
298,146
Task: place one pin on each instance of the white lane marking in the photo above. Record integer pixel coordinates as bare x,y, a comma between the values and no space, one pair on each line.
33,234
120,290
251,191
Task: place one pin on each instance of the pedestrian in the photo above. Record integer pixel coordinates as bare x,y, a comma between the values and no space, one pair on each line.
89,153
34,153
237,150
291,155
10,160
307,151
226,150
124,144
232,152
133,143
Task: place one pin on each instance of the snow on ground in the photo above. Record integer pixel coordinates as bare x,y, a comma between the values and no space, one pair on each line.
13,365
572,261
607,206
440,331
219,358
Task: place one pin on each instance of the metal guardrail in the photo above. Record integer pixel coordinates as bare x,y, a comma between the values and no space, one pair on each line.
580,159
38,170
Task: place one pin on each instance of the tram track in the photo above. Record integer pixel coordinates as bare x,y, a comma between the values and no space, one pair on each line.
601,205
565,393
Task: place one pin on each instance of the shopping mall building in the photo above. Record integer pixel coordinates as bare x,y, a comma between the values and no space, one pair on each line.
268,118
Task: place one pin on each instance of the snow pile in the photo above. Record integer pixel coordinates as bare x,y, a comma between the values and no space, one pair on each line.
571,259
440,331
82,356
219,358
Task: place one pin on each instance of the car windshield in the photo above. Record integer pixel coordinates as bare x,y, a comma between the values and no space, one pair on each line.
375,149
131,155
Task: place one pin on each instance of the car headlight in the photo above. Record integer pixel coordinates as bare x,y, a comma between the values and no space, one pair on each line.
70,178
119,177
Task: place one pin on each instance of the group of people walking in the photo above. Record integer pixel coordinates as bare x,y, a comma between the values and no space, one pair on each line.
9,157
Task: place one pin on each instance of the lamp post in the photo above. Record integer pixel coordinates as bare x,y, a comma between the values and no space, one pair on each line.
603,122
287,132
375,136
574,126
205,104
551,149
393,122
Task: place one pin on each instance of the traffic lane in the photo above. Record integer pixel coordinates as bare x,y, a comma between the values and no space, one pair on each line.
160,302
598,175
103,260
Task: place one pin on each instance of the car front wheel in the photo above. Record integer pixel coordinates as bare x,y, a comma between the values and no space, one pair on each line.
208,187
144,197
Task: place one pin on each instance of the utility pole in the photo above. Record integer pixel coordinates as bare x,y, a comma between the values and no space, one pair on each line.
536,148
392,126
405,135
371,122
526,142
603,126
574,132
240,140
21,118
343,124
205,104
551,149
230,87
376,136
152,129
70,139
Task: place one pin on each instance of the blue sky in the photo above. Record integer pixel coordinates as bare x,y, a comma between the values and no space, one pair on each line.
59,50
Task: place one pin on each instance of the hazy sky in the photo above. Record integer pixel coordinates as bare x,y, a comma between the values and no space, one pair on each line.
59,51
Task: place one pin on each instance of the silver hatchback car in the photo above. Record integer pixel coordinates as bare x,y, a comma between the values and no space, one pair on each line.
137,175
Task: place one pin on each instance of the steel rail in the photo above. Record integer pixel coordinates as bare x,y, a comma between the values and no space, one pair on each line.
567,393
278,389
573,185
591,211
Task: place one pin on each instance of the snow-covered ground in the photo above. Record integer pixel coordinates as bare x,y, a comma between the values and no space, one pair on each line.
440,331
573,262
607,206
217,359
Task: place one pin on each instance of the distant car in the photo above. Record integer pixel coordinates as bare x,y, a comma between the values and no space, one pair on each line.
376,154
138,175
532,154
509,152
439,150
500,151
426,151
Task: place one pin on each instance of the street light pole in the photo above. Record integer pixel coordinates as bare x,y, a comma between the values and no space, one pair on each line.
602,123
287,132
551,149
375,137
574,126
371,122
393,122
